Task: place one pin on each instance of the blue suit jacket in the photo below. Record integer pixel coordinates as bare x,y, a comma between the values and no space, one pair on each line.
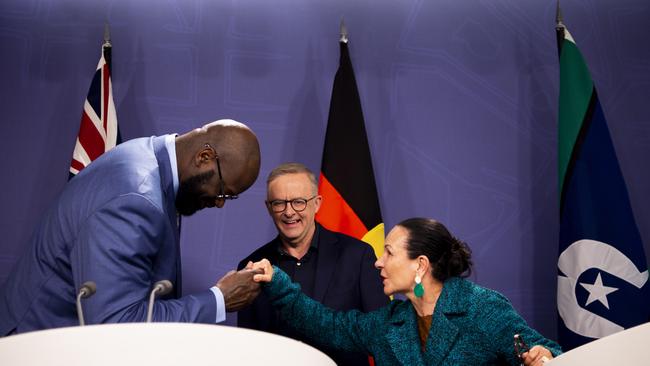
471,325
115,224
345,279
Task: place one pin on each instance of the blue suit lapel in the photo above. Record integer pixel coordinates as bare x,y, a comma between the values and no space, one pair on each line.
167,186
328,253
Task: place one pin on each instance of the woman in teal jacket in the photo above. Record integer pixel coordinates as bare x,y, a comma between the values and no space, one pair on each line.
446,320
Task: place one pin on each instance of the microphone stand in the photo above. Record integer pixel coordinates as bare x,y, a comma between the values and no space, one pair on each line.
161,287
87,290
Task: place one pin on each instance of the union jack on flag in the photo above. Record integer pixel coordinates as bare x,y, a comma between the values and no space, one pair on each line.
98,130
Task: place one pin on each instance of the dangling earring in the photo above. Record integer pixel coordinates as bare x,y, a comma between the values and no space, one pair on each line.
419,289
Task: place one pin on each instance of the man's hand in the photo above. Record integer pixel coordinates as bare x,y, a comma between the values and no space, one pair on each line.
238,288
264,265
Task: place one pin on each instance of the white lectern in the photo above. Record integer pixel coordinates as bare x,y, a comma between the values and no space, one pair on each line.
158,344
628,347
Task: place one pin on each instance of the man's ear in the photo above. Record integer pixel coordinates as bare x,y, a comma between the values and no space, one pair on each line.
317,202
204,156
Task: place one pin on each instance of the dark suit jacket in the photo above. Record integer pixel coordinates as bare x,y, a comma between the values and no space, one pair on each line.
114,224
345,279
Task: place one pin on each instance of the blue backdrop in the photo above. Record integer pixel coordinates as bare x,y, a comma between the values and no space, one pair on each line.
460,99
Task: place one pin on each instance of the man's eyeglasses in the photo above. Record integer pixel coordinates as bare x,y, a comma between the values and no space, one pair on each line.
298,204
222,186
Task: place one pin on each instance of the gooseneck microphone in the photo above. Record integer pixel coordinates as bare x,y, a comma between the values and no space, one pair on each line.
161,287
85,291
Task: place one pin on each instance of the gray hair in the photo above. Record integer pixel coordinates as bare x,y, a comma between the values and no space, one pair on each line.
292,168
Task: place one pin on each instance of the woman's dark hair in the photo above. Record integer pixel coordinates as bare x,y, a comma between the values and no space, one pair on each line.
449,257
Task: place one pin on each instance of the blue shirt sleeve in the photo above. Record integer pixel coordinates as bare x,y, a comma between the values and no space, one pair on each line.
221,304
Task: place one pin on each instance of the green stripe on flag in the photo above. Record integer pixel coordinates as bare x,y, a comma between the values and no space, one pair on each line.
576,88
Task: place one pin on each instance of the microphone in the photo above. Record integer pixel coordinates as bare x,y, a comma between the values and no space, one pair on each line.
87,290
161,287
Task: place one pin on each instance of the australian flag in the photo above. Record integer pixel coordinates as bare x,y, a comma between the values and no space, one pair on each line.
98,131
602,269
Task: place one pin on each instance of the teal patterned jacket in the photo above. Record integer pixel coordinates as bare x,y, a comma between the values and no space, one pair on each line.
471,325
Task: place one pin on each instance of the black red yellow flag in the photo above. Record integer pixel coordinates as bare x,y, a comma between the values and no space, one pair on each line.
347,180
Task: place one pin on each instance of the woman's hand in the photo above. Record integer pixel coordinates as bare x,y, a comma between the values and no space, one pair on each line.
537,355
266,266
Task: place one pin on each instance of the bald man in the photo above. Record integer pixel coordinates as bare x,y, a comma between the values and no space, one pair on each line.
116,223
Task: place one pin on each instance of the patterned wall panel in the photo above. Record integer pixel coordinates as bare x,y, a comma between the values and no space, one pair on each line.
460,101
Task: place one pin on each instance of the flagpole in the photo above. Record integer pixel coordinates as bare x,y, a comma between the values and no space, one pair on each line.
344,32
107,52
558,16
559,26
107,46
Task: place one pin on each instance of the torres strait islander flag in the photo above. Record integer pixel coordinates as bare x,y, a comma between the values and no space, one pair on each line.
602,269
347,181
98,130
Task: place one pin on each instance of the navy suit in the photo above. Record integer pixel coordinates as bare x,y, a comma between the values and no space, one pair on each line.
346,279
115,223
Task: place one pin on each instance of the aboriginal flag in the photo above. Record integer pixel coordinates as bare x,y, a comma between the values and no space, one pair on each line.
347,180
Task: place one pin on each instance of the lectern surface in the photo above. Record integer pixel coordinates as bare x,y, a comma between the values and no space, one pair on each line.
620,349
158,344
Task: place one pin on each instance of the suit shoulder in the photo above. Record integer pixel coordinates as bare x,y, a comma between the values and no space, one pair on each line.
128,172
481,299
346,242
487,294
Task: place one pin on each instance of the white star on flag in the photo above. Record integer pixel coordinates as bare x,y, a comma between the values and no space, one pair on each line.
598,292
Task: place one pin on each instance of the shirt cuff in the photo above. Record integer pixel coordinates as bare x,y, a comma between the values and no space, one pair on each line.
221,304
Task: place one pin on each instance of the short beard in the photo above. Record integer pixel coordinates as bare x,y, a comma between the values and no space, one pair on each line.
188,197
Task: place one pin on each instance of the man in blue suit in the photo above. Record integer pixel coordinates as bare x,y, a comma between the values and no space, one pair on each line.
116,223
332,268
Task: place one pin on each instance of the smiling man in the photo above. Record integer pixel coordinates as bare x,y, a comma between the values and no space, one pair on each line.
335,269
